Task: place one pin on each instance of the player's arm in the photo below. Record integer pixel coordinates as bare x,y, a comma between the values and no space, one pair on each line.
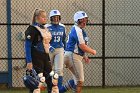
29,35
82,45
87,49
28,54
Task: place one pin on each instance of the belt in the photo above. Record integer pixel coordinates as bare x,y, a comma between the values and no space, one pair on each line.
78,54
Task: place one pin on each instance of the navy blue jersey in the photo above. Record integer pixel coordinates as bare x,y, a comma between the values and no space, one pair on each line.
58,33
76,36
33,39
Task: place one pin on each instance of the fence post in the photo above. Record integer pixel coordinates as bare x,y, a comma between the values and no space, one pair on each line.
103,43
9,43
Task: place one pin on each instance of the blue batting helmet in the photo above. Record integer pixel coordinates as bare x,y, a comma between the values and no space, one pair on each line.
30,80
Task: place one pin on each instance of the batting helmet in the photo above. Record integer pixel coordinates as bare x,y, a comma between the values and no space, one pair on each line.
79,15
54,13
31,80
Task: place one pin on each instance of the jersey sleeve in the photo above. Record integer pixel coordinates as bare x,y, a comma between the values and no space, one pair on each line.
28,45
80,38
30,33
29,37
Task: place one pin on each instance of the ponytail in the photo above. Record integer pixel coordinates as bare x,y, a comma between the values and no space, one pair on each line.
36,13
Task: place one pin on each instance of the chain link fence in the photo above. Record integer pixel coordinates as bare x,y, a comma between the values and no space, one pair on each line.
113,30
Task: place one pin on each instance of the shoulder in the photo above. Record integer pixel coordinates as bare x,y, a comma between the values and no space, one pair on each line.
61,24
72,31
77,29
31,30
48,25
30,27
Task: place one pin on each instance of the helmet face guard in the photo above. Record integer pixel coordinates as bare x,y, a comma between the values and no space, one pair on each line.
31,80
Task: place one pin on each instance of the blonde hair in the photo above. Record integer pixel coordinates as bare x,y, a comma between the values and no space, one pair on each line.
36,13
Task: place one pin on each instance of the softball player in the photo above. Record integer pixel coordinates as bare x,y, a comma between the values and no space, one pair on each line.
57,44
37,48
75,52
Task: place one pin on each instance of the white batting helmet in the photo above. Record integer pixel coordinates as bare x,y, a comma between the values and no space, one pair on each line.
79,15
54,13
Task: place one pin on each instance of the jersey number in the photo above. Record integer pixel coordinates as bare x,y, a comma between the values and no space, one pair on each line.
57,39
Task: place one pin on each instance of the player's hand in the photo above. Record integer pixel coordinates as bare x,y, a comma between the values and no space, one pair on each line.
94,52
51,49
29,66
86,59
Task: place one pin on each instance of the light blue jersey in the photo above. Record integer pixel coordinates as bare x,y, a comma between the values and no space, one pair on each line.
76,36
58,35
56,51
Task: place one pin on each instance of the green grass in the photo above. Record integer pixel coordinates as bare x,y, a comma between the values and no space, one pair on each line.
85,90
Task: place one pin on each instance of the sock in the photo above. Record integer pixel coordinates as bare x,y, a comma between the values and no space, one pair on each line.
31,91
49,84
60,80
69,85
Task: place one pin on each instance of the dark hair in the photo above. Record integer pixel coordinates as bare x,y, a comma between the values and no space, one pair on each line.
37,12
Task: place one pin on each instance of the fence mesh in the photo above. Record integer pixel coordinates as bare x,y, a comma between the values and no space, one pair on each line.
122,41
122,11
3,15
